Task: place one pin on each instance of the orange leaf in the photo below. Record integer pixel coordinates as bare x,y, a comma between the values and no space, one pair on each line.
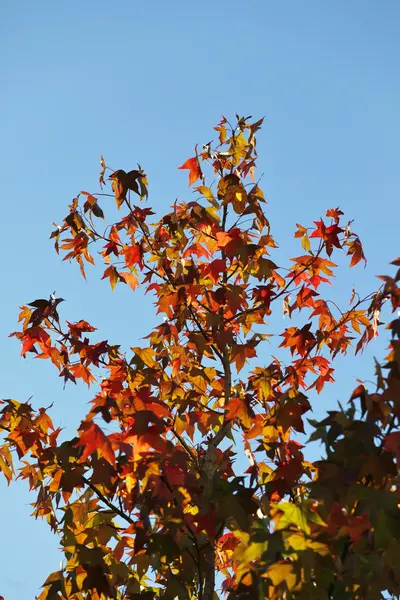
82,372
94,440
241,353
193,165
279,280
113,274
356,252
130,279
132,255
80,327
239,409
35,335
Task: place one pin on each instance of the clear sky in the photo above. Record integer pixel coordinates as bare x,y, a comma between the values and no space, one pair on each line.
143,82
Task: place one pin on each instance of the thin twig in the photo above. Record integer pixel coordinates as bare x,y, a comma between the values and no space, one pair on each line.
107,502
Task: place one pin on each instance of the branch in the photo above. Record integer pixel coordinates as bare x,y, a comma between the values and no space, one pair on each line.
226,426
168,278
339,323
248,311
98,494
107,502
184,445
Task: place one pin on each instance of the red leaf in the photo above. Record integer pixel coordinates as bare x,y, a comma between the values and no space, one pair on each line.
242,352
213,269
335,213
392,444
356,252
32,336
298,340
359,392
94,440
133,255
320,231
328,234
193,165
208,524
80,327
196,249
225,238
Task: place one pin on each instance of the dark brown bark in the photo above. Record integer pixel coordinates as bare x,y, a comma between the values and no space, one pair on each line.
209,575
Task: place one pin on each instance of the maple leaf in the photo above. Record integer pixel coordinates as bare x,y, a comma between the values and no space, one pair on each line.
239,409
80,327
392,444
335,213
118,185
214,269
221,128
291,411
94,440
298,340
241,352
300,232
80,371
356,252
43,421
196,249
282,571
193,165
133,255
6,465
113,274
262,380
207,193
356,527
328,234
130,279
32,336
237,196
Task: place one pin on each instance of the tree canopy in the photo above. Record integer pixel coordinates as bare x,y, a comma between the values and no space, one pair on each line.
149,499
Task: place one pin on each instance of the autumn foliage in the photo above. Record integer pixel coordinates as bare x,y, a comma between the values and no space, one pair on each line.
150,499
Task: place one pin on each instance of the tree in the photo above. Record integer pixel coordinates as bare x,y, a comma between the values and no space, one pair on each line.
145,499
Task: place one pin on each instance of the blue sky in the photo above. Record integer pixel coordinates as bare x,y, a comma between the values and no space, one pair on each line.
143,82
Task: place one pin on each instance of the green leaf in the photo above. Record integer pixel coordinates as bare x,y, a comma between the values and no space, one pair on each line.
292,515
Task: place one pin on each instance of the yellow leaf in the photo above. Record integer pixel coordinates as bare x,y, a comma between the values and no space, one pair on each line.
245,554
6,469
146,354
55,483
257,193
212,211
130,482
270,434
282,571
288,514
238,148
80,576
206,192
237,196
305,242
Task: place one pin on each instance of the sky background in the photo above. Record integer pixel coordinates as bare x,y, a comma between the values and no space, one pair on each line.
144,82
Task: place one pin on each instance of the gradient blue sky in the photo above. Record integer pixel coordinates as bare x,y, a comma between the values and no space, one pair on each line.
143,82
